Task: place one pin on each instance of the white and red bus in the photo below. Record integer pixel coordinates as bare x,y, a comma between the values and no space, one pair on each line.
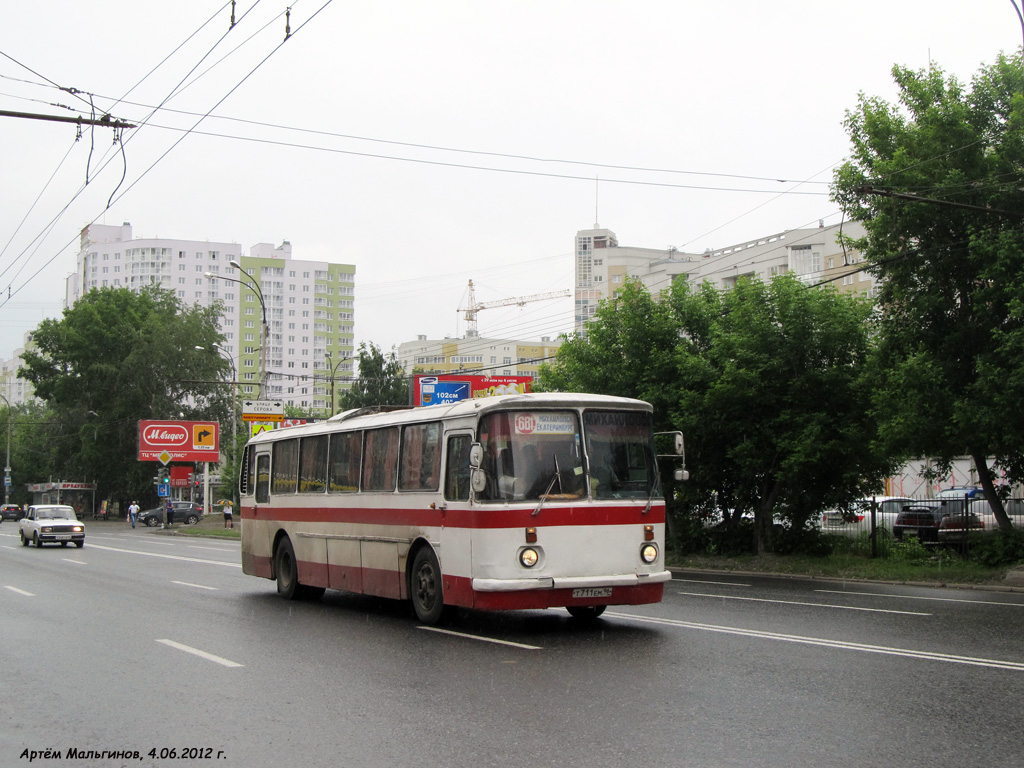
507,502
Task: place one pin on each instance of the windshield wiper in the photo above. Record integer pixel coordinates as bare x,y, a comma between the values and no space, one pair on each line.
544,496
655,486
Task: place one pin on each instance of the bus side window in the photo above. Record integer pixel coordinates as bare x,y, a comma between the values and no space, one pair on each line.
245,476
263,478
421,456
456,473
313,464
345,453
286,466
380,468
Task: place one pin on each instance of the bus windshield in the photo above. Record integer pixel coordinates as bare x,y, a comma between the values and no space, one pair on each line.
530,455
620,454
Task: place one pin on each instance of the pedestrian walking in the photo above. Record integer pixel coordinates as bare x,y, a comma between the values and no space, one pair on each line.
229,518
168,513
133,512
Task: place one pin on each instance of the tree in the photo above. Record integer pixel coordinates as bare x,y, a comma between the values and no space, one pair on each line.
766,381
936,182
381,380
117,357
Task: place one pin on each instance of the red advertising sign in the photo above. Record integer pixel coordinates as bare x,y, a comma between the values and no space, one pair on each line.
167,441
451,387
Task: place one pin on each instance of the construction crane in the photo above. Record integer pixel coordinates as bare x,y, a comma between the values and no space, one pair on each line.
475,306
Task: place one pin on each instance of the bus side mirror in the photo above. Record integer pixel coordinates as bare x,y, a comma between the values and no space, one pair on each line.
680,450
477,478
681,475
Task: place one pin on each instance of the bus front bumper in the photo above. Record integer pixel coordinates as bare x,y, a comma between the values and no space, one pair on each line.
569,582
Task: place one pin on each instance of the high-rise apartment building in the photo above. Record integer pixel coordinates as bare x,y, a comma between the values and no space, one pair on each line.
309,306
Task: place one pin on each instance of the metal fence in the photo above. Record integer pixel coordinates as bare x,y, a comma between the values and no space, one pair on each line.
952,520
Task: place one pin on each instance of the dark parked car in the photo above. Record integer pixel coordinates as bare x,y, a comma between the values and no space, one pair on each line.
920,521
11,512
187,512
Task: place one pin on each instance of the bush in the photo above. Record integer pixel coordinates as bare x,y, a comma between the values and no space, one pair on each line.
998,550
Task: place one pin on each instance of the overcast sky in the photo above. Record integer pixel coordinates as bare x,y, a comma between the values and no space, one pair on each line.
430,143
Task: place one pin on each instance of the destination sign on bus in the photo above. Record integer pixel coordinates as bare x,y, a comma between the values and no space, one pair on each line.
545,423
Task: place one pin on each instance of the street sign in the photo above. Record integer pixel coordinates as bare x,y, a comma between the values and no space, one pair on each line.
262,410
163,490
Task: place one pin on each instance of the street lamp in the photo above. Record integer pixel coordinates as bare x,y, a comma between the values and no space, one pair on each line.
7,466
333,371
253,286
234,395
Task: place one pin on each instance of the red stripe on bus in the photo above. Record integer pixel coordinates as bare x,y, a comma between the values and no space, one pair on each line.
477,517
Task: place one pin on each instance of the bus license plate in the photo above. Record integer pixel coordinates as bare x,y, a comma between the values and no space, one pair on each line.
62,537
593,592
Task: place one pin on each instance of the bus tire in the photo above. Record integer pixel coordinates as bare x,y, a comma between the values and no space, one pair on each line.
286,569
585,612
425,587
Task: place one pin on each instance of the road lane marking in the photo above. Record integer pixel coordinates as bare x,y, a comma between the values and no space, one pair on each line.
201,654
212,549
168,557
19,591
723,583
482,639
797,602
69,560
197,586
949,658
914,597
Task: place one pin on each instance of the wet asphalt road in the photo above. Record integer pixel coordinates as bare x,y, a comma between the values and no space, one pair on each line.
148,643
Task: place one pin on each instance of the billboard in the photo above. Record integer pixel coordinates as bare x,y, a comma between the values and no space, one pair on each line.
167,441
452,387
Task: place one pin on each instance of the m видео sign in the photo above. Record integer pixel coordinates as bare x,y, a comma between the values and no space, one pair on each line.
180,440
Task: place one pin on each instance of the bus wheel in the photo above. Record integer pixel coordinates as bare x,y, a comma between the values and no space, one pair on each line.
427,592
287,570
585,612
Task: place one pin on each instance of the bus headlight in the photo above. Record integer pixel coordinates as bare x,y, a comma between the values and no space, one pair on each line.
528,557
649,553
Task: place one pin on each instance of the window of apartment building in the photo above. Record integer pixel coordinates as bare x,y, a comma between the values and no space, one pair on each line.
181,281
181,267
805,259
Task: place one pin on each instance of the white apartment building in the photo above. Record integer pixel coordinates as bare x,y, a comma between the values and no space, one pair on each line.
475,354
309,306
813,254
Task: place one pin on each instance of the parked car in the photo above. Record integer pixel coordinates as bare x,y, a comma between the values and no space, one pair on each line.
960,492
187,512
956,528
11,512
857,520
51,523
920,520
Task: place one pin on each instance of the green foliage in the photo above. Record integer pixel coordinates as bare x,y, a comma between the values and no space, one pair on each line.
999,549
117,357
767,381
381,380
952,280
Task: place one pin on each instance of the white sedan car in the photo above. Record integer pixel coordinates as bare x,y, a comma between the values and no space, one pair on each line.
57,523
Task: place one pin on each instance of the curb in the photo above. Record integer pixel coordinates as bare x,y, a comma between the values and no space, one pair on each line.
1012,582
